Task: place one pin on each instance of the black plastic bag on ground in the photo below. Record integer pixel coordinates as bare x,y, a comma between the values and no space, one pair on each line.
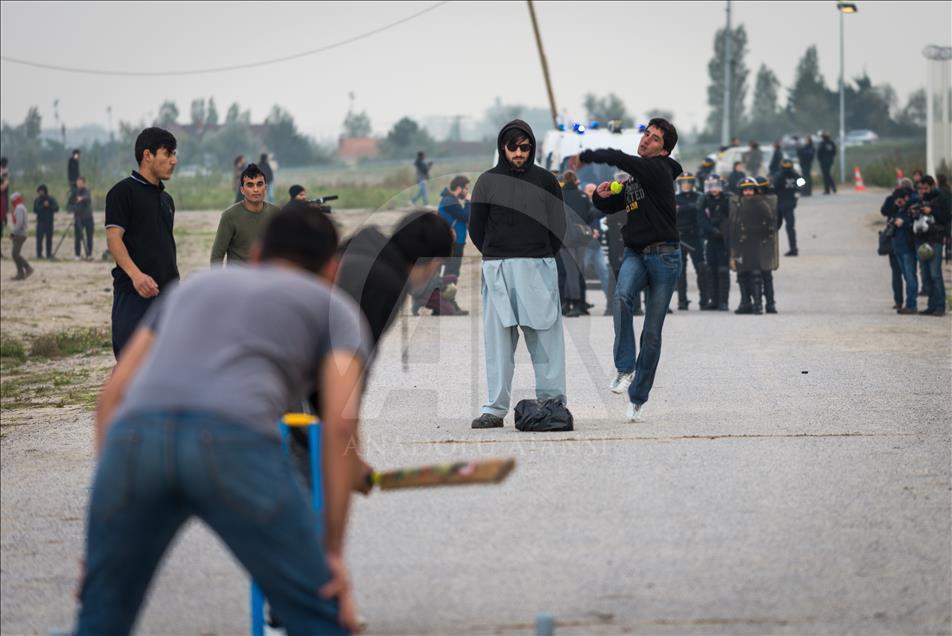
543,416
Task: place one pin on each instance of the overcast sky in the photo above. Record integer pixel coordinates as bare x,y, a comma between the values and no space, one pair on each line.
452,60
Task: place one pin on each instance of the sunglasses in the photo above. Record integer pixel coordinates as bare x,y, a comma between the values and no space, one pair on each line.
523,147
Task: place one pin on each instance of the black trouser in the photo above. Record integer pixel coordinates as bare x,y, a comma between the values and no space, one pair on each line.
127,310
785,211
896,280
716,256
455,261
44,234
22,266
80,226
691,247
808,177
828,183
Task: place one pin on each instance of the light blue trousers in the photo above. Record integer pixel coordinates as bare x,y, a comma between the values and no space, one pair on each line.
546,348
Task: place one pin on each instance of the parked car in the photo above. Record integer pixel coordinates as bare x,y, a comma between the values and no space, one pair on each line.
860,137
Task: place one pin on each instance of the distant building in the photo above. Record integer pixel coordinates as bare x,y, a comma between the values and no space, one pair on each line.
353,149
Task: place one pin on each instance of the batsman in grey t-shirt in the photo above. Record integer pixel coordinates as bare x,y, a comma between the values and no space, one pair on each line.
244,343
186,426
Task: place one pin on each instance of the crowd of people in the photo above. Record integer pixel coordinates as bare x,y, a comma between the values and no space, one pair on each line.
703,205
13,207
211,363
917,235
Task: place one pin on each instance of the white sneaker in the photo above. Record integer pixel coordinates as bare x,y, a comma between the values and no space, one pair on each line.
636,413
621,382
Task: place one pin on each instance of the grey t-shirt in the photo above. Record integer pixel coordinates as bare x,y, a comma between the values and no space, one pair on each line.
246,343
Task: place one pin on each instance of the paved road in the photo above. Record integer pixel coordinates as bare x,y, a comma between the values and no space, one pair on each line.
794,478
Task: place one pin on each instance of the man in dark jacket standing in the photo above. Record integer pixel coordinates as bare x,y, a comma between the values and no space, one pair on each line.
517,223
785,185
775,160
713,220
688,202
72,170
652,253
825,154
933,205
81,205
44,206
806,154
422,167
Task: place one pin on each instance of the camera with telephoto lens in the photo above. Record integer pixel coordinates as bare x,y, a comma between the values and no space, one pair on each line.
320,203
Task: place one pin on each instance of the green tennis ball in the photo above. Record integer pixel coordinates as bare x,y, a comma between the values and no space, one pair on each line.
616,187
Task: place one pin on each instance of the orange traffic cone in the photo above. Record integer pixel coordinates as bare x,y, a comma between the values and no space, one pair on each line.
858,178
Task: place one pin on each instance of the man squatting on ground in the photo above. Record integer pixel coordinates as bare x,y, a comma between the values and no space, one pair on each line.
140,216
517,223
200,386
242,224
652,257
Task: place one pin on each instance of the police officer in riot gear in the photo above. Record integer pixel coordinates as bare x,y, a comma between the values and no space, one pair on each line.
688,202
765,189
713,220
753,243
787,185
703,172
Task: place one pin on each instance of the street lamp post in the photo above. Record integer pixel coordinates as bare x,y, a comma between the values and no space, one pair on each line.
843,7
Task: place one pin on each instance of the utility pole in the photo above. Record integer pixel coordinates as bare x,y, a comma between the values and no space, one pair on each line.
726,123
545,66
842,110
843,7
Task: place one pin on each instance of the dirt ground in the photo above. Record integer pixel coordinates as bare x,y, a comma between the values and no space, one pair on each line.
66,295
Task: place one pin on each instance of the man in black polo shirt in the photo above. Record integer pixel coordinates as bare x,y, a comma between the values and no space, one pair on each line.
139,220
652,253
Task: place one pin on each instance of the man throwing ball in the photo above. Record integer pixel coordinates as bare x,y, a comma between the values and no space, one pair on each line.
652,256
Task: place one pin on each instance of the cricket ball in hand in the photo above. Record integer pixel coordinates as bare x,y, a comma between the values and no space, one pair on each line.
615,187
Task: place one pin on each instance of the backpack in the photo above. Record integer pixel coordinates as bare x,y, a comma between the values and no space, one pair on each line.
543,416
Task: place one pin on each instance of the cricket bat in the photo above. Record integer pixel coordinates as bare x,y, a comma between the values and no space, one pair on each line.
490,471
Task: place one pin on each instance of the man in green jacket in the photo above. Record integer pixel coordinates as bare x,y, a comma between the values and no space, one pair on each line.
243,223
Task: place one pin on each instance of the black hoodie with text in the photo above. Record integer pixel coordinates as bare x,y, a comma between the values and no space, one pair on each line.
517,212
647,197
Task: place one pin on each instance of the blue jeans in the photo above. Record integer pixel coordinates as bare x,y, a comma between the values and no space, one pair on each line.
932,274
421,193
593,254
659,273
907,263
160,468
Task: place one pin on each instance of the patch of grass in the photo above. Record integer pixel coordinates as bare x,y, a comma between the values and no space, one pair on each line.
11,349
48,388
67,343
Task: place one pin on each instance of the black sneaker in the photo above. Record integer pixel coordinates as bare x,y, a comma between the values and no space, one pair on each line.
487,420
792,253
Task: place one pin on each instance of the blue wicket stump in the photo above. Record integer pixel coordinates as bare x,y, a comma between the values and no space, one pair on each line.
313,426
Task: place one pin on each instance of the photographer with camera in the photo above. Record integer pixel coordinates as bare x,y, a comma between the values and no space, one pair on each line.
902,246
889,210
929,223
